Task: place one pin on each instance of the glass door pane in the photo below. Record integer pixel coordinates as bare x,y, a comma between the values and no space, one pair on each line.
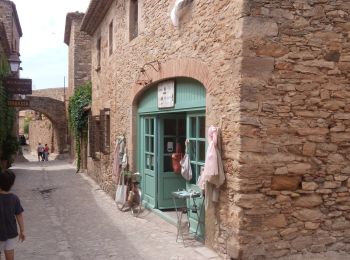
172,140
149,181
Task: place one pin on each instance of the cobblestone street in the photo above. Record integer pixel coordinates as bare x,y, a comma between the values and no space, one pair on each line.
67,216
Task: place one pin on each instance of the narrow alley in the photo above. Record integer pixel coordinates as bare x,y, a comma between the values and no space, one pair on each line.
67,216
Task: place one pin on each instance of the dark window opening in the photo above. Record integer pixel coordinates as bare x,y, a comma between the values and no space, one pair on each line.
105,131
133,19
94,140
110,34
98,48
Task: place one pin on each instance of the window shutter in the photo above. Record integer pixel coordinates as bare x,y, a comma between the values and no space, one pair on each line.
91,136
105,130
94,134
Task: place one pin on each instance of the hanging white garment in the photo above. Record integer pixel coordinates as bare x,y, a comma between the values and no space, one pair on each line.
119,153
213,175
186,170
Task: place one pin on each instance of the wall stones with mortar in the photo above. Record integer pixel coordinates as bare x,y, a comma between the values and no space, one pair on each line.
295,95
55,93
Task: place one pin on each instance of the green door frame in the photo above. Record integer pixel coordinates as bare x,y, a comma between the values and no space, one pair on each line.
147,159
196,135
190,98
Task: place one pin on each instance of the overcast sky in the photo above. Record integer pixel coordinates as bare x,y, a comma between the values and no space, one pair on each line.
44,55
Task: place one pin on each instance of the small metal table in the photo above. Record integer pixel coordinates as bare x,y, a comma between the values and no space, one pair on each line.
191,195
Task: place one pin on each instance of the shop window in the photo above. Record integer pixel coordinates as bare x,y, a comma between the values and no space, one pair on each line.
105,131
197,145
133,19
110,36
98,53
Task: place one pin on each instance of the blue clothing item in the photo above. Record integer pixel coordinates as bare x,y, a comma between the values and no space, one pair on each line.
10,206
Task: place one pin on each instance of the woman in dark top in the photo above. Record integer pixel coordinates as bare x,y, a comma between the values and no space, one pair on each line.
10,212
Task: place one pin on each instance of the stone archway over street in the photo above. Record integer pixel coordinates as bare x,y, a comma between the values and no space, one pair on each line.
54,110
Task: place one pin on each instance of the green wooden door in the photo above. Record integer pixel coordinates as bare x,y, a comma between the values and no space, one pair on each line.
172,132
197,148
148,160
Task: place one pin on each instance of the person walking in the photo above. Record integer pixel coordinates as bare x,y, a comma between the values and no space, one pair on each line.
40,150
11,213
46,152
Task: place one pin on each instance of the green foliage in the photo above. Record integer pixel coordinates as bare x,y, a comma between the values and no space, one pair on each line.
77,116
26,125
8,143
10,147
4,109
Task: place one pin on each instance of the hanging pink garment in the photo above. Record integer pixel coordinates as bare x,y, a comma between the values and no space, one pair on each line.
213,175
211,159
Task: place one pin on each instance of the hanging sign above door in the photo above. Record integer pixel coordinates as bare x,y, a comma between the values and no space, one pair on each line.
166,94
18,86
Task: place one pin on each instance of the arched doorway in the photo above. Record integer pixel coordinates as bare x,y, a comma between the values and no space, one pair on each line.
170,112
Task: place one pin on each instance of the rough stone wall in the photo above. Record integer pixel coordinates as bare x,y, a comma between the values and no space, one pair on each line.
41,131
293,192
79,61
79,56
55,93
7,16
202,37
82,55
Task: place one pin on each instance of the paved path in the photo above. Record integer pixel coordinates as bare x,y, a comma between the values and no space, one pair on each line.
67,216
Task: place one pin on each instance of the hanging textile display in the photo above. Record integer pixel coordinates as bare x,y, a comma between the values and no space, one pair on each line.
186,170
120,157
213,175
121,191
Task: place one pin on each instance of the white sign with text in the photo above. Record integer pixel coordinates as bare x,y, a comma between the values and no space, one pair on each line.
166,94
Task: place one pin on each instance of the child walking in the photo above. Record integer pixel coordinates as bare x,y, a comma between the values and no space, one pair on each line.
10,211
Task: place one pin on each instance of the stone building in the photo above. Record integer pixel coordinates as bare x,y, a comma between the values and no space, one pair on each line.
12,27
79,68
79,52
273,75
10,34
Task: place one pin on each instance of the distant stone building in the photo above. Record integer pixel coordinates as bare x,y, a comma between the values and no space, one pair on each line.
48,122
273,75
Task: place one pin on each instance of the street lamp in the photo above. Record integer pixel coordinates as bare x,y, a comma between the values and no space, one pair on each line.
14,62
